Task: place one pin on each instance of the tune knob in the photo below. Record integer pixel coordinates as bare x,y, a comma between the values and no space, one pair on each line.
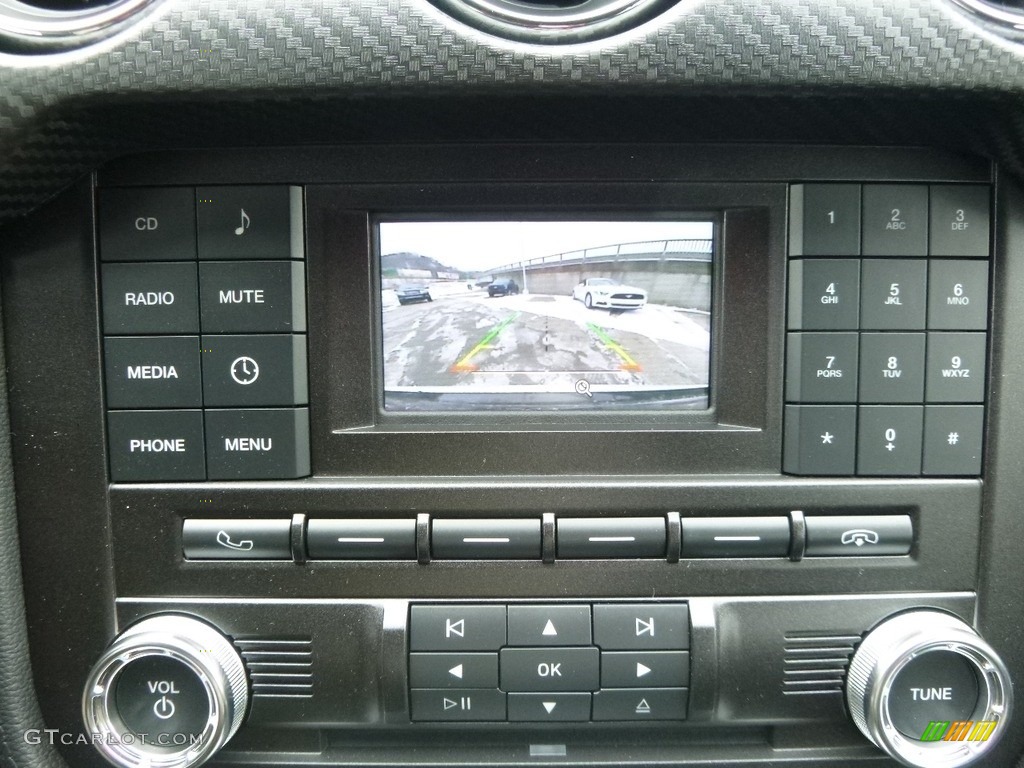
168,693
928,690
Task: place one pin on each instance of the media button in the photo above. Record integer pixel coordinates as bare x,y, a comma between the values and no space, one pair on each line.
641,704
151,446
265,444
150,298
457,705
550,669
256,222
152,372
457,627
241,371
253,296
642,626
147,224
236,539
549,707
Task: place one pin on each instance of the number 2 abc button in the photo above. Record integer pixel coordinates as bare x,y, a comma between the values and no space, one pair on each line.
254,370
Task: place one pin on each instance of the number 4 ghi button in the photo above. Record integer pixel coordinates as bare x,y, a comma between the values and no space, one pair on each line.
820,440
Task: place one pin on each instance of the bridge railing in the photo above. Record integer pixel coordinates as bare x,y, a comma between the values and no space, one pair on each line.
647,250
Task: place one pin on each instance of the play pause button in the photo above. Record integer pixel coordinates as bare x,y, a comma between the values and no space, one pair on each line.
458,705
548,707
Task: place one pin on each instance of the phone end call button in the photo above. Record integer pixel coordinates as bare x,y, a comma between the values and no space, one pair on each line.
236,539
858,535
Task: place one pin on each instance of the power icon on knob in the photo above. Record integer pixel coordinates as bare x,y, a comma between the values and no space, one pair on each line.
164,708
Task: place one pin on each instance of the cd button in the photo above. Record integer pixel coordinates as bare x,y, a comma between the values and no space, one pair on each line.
458,705
594,537
236,539
266,444
549,625
549,707
642,626
457,627
550,669
154,224
243,371
668,669
249,222
641,704
453,670
150,298
485,539
362,540
252,296
735,537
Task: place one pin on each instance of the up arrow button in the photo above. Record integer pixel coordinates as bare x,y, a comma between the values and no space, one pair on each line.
547,625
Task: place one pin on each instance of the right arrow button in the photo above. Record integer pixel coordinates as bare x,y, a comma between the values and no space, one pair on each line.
628,669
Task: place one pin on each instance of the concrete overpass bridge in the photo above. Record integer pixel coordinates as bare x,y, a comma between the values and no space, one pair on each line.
673,272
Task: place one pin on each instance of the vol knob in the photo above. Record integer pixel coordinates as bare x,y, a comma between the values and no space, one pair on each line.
168,693
927,689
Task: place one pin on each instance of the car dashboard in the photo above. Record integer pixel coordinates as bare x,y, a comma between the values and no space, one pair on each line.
408,383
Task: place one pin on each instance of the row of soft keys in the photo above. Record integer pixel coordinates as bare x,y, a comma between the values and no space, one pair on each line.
668,537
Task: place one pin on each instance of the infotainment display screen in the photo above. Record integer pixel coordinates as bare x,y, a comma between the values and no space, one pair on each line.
546,315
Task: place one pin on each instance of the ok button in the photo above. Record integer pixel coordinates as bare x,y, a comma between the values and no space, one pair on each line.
550,669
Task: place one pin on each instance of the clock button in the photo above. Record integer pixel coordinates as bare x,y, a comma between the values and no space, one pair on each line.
260,371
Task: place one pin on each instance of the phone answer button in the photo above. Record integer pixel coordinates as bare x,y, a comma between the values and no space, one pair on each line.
236,539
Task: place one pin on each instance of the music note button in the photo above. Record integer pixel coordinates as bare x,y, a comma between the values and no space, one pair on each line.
250,223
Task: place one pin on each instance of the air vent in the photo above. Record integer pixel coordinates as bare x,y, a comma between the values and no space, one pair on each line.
279,668
46,25
815,663
553,22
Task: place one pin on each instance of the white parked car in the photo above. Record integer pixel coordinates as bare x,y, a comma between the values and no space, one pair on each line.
609,294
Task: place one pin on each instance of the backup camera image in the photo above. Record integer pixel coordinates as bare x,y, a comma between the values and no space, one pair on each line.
545,315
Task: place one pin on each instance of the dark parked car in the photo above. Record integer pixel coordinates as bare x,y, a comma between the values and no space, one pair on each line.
407,294
503,288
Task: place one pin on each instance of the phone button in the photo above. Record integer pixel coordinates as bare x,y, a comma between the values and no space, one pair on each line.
236,539
858,535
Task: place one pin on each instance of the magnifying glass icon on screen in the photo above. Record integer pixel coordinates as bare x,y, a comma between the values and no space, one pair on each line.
583,388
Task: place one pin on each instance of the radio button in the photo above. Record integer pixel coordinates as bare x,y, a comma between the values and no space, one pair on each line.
154,224
893,294
959,220
860,535
549,707
457,705
453,670
820,440
828,218
259,222
266,444
549,625
550,669
149,446
668,669
641,704
627,537
956,367
892,367
150,298
362,540
252,296
958,295
824,294
735,537
254,370
236,539
485,539
952,440
889,440
821,367
153,372
642,627
457,627
895,220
